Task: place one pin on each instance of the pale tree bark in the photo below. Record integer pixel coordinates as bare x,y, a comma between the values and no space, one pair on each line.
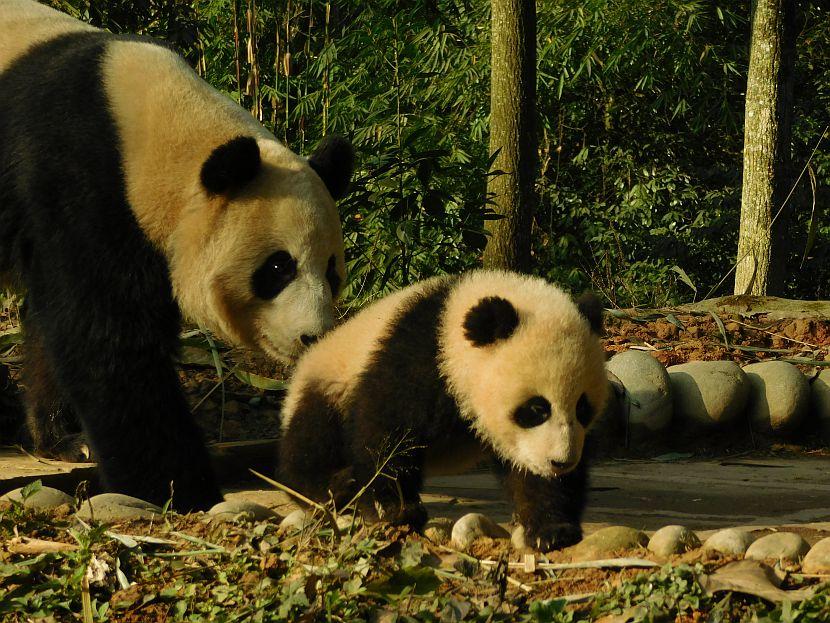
762,246
512,133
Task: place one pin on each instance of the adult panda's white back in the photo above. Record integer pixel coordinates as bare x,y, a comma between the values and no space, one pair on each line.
25,23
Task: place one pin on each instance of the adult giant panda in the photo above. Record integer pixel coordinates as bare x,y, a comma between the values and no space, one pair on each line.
439,375
131,192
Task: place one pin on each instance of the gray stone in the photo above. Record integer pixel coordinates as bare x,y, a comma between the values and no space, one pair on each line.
779,396
729,542
817,559
439,530
708,393
672,540
820,401
607,541
110,507
296,521
474,525
647,391
778,546
232,509
347,522
518,539
44,498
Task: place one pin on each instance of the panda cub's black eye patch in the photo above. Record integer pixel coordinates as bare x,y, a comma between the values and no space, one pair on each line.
532,413
584,412
332,277
274,275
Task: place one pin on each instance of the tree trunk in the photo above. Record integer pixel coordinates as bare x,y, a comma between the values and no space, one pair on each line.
762,244
512,133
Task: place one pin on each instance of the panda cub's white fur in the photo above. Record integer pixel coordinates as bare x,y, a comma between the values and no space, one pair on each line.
502,363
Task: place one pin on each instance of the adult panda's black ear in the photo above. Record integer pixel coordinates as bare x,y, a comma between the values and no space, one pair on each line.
591,307
491,319
333,161
231,165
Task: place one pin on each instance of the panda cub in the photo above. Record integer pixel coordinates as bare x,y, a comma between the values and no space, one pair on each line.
131,194
440,375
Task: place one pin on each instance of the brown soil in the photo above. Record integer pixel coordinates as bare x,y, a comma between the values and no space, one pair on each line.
679,338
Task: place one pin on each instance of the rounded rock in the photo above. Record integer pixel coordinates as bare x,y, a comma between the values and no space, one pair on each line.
44,498
729,542
295,521
110,507
817,559
232,509
779,396
347,522
778,546
474,525
606,541
647,391
820,401
708,393
672,540
439,530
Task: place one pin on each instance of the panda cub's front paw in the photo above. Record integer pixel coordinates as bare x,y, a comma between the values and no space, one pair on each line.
552,536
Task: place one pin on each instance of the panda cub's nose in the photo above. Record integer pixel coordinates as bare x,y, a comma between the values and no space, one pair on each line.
308,340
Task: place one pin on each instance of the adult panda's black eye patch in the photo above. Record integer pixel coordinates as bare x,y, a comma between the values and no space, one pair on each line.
532,413
273,275
584,411
493,318
332,277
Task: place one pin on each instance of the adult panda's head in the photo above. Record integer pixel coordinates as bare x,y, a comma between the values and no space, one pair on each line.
526,365
264,270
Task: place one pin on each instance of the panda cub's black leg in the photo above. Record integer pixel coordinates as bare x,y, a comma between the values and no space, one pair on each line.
549,509
311,451
393,464
52,425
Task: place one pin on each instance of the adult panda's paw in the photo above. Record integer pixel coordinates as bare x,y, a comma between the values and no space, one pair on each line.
71,449
547,537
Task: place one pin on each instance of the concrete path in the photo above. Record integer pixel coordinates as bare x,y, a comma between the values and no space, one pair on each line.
701,494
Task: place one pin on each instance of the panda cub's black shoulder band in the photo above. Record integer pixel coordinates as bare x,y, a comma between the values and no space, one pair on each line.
231,166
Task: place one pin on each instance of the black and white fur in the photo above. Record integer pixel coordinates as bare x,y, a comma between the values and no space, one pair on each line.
440,375
132,193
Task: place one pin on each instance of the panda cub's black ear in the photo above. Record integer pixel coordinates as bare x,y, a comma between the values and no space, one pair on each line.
591,307
232,165
333,161
493,318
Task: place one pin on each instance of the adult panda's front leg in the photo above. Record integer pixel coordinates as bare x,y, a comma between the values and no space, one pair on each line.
118,375
52,426
549,509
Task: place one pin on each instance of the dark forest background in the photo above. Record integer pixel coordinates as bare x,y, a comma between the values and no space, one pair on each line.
640,106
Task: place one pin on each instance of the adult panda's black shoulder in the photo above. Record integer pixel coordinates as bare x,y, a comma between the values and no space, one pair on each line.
132,192
441,374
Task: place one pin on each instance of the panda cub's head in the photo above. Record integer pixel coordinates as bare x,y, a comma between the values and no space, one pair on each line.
265,270
526,366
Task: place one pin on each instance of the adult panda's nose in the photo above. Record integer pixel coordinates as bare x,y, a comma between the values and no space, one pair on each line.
563,467
308,340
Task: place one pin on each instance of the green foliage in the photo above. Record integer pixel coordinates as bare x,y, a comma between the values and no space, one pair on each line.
640,123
